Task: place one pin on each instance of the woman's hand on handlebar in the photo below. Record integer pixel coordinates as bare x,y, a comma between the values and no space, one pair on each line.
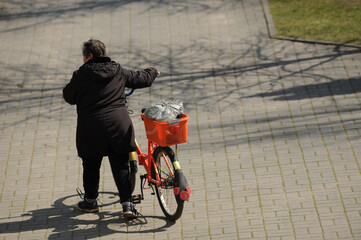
158,73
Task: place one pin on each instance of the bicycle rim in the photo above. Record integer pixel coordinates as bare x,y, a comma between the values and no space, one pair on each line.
170,205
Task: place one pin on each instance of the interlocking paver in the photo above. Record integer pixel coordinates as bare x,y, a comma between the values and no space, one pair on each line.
273,133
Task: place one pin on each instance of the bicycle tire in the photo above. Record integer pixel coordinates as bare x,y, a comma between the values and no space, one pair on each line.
171,206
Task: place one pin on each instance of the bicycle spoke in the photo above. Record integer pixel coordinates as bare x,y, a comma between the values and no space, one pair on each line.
160,170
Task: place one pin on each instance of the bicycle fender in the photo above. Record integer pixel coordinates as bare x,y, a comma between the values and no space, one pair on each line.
182,190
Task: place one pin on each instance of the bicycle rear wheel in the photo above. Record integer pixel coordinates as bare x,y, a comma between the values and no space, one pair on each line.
171,206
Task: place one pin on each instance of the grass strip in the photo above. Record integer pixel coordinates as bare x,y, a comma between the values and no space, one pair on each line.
325,20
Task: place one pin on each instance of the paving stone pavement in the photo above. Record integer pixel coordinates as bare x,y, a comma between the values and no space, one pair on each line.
273,147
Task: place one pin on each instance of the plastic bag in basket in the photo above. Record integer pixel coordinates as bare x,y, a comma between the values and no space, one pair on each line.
164,110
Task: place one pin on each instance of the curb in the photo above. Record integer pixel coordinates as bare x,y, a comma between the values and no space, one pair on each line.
272,31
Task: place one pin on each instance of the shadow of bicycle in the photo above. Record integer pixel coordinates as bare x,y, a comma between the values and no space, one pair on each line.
63,220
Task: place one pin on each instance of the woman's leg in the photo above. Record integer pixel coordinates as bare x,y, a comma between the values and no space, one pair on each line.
91,175
120,169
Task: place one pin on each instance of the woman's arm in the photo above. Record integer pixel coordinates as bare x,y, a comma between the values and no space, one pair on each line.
69,91
140,79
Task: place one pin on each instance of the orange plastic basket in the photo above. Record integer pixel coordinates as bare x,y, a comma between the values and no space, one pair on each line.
164,133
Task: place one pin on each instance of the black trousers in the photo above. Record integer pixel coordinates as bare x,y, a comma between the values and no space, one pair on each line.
120,169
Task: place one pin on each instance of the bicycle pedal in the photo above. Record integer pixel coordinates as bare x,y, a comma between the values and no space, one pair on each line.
137,198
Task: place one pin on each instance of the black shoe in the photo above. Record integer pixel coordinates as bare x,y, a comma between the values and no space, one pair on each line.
88,207
129,211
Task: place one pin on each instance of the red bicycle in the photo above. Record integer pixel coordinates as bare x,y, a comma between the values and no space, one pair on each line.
163,172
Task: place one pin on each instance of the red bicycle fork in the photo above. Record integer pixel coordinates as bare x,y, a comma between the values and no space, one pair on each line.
146,161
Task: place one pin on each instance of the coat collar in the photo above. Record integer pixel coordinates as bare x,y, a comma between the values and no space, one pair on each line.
99,60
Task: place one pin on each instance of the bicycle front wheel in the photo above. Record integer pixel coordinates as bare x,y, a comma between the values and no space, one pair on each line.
171,206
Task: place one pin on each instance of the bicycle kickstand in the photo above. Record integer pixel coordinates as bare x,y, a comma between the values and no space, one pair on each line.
139,197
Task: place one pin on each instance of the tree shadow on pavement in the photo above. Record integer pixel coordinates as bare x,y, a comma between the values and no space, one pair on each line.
45,13
203,71
63,220
187,70
317,90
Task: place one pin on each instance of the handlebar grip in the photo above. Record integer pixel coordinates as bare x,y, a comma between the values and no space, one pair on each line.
130,93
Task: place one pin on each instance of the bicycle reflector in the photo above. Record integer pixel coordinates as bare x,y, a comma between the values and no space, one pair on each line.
184,195
181,189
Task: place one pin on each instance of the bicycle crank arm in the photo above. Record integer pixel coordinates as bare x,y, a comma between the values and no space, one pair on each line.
137,198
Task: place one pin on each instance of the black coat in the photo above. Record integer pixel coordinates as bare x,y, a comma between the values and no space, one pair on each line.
97,88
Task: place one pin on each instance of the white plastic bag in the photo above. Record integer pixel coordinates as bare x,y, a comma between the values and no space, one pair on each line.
164,110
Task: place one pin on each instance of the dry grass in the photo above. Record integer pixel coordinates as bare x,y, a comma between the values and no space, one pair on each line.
328,20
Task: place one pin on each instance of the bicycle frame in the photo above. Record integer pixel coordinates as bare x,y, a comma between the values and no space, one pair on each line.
146,160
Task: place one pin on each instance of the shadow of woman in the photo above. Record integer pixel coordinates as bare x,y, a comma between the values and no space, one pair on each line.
62,220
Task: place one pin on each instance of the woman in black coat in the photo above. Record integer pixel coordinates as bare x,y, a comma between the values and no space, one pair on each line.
104,127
